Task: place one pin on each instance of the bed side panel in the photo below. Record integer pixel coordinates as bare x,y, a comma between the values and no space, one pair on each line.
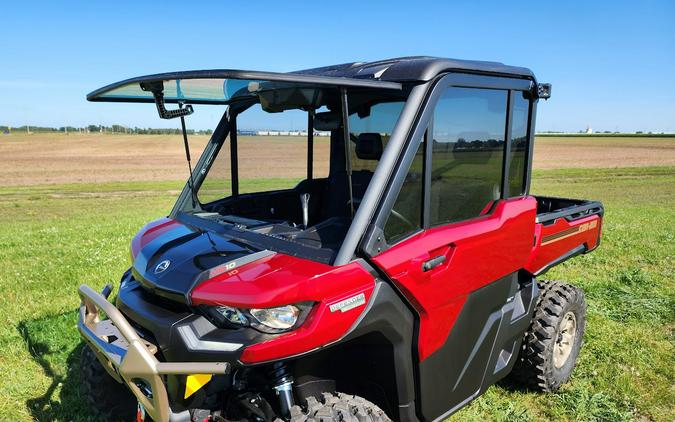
555,241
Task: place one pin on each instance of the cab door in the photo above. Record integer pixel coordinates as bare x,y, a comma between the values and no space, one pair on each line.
456,240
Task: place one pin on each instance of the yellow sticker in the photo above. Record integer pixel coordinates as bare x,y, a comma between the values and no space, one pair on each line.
195,382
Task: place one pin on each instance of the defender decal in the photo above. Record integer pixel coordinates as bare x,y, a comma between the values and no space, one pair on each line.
349,304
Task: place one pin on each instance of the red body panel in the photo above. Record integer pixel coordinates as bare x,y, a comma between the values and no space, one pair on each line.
321,328
557,239
149,232
282,280
478,252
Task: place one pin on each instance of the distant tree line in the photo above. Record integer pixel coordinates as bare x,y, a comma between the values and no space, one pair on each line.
99,129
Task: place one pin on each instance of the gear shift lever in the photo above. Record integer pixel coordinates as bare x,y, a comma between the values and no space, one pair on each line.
304,202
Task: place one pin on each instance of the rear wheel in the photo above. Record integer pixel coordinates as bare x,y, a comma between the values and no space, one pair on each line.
338,407
110,400
552,342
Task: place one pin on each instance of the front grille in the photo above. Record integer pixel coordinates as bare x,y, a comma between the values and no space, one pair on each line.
158,300
161,299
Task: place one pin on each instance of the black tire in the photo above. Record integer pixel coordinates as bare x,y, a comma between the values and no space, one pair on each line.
110,400
537,368
338,407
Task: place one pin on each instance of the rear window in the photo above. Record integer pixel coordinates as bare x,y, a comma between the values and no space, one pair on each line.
380,121
518,156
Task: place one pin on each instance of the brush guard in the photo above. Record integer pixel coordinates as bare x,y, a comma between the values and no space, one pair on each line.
130,359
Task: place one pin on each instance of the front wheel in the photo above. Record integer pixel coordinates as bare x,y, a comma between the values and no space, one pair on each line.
338,407
552,343
108,399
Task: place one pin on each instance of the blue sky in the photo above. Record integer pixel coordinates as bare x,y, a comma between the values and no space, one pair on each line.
611,63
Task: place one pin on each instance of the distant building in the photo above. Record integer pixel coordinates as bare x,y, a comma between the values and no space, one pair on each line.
589,130
301,133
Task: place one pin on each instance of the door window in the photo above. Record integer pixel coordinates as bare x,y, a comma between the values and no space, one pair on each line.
518,156
467,153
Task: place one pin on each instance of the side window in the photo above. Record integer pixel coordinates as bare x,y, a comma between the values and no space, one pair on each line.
406,214
467,153
518,156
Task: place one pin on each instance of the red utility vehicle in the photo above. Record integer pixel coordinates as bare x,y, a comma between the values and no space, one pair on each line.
394,276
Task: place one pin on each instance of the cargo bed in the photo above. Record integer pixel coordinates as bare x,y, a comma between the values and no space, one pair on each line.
564,228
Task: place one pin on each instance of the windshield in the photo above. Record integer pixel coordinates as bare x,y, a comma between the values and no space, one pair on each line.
216,91
272,153
283,169
219,86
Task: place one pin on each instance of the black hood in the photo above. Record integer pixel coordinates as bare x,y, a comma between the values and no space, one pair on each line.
174,262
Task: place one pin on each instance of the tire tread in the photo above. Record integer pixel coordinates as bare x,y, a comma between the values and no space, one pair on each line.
108,399
338,407
531,369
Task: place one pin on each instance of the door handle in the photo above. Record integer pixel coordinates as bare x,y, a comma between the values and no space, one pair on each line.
432,263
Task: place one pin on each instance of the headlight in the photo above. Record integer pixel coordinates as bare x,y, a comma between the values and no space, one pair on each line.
226,316
268,320
281,318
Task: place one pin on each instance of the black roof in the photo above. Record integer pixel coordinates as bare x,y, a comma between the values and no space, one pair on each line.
416,68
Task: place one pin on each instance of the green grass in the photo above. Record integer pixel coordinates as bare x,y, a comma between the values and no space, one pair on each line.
55,237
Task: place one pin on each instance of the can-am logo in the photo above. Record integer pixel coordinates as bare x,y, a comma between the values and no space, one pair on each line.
162,266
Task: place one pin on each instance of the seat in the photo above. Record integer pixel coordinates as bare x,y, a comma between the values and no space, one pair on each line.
368,147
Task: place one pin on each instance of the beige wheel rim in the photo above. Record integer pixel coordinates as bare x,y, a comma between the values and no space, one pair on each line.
565,340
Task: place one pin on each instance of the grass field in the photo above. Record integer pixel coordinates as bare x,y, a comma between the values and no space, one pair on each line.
57,236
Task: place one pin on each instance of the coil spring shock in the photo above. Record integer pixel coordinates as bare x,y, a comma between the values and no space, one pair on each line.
282,382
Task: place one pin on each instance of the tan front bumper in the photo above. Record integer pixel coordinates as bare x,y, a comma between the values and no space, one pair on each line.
130,359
